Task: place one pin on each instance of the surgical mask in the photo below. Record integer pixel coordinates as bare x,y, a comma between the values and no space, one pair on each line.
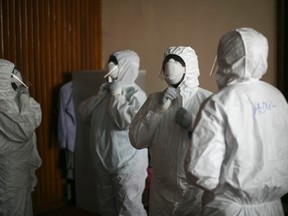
173,72
113,71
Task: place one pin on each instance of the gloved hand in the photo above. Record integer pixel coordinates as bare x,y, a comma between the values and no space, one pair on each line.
183,118
24,98
166,98
115,88
169,93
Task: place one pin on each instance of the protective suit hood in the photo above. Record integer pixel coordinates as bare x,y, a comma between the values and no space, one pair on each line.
128,63
241,55
190,58
6,69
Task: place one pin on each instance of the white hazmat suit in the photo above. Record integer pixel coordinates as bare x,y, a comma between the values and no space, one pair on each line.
156,128
239,148
20,115
121,169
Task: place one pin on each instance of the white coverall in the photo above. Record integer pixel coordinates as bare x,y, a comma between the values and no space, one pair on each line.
239,148
170,193
121,169
20,115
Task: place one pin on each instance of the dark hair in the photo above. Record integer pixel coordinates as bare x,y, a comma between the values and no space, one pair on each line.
113,59
175,57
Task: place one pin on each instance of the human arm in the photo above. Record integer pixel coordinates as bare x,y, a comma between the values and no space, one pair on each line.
166,98
207,148
19,127
87,106
123,107
145,123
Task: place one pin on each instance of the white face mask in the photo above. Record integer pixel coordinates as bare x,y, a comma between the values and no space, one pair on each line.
173,72
113,71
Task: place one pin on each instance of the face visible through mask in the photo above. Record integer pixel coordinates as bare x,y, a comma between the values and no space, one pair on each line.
173,72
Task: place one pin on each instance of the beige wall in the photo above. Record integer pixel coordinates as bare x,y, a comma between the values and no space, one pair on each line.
150,26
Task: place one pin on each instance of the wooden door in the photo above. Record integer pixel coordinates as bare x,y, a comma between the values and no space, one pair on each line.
47,40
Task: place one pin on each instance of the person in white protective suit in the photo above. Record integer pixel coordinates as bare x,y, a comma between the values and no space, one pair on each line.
20,115
162,125
121,169
239,151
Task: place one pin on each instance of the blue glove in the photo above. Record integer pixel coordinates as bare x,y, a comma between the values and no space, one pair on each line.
183,118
